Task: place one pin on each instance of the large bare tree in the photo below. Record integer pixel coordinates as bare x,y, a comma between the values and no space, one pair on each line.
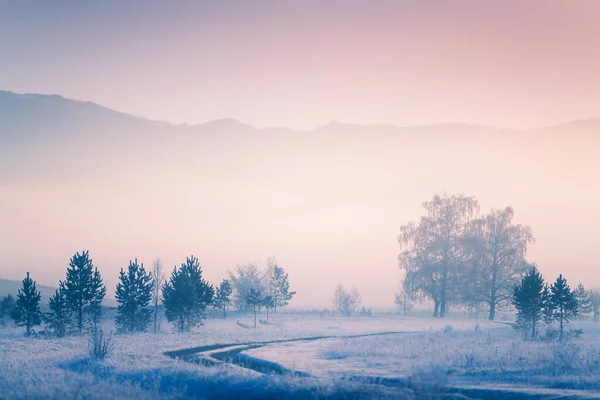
433,250
499,248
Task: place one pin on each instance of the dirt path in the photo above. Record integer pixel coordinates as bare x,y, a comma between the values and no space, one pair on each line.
233,353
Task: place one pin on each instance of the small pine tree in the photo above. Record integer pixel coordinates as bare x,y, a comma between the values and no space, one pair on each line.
530,298
59,316
134,292
223,296
583,300
186,295
281,288
27,308
84,290
254,299
7,305
563,304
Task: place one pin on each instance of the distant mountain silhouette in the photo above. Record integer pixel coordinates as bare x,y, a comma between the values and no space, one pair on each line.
12,287
39,110
8,286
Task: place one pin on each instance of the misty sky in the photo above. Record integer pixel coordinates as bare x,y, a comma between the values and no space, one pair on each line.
508,63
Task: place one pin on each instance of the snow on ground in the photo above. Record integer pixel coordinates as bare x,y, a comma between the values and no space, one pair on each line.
489,354
138,367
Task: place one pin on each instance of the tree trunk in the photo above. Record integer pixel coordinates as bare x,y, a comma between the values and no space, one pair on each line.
561,323
155,318
80,320
492,309
267,314
533,327
254,317
224,315
436,308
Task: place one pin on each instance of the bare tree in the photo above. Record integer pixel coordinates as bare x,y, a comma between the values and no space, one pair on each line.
158,279
499,248
403,300
244,278
433,250
346,301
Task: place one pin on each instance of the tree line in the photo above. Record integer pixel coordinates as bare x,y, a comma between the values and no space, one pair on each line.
76,305
454,256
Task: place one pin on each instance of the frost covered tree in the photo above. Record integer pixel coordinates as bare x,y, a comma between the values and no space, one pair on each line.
499,248
280,288
59,317
254,299
584,301
158,279
84,290
27,307
562,304
134,292
594,295
223,296
346,301
433,249
186,295
403,300
244,278
530,298
269,304
7,305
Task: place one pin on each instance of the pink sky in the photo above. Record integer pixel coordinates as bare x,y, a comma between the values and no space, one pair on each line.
506,63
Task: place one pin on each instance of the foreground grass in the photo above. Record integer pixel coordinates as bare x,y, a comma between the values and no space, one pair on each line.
484,355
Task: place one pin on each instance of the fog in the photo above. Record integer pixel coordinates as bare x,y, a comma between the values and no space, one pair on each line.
327,203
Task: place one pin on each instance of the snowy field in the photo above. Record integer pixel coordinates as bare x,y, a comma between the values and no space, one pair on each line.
490,356
430,350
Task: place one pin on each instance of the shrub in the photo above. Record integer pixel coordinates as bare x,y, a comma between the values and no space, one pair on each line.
99,344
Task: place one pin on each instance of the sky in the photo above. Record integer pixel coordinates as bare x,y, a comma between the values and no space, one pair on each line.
508,63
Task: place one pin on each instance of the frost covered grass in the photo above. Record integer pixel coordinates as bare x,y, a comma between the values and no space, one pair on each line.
495,355
138,368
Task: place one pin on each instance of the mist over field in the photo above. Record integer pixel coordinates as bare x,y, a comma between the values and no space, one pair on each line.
328,203
323,200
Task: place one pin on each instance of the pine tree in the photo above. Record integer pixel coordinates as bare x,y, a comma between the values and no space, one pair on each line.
7,305
595,303
281,288
84,290
563,304
134,292
583,300
255,298
223,296
530,299
27,308
59,316
186,295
